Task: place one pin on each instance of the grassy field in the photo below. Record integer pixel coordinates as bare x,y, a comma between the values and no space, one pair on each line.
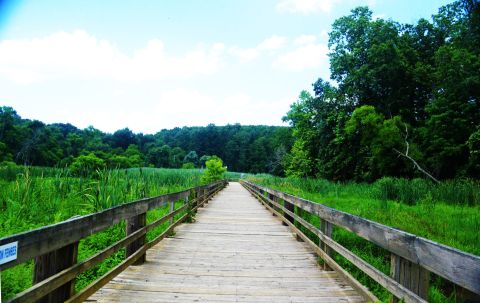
35,197
448,213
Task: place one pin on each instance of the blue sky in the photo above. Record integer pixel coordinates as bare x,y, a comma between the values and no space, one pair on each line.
149,65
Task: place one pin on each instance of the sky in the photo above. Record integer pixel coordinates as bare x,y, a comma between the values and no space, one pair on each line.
150,65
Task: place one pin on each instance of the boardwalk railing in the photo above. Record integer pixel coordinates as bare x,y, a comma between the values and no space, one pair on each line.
54,248
412,257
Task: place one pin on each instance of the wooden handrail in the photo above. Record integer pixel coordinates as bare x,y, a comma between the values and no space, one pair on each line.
42,240
452,264
34,238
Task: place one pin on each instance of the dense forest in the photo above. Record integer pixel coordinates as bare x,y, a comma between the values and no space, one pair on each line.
243,148
404,98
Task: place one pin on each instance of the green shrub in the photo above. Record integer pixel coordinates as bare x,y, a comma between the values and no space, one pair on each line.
215,170
84,165
188,165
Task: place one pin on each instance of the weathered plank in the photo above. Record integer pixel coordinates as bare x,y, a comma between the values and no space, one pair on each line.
223,257
396,288
132,225
452,264
50,264
53,282
49,238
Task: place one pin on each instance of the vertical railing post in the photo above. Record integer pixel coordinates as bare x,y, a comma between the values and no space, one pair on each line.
290,207
411,275
327,229
272,197
171,209
133,224
202,197
51,263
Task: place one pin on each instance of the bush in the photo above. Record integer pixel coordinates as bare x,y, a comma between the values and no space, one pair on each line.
188,165
215,170
86,164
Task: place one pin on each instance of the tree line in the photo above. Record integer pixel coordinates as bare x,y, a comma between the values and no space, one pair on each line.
404,100
243,148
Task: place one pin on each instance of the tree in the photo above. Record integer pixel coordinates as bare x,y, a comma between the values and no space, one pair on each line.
214,170
84,165
123,138
191,157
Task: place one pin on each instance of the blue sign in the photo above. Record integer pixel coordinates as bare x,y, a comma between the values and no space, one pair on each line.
8,252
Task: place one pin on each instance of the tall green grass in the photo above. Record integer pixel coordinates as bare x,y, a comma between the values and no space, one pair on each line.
32,197
448,213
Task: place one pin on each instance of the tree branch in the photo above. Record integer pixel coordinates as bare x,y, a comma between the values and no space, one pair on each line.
413,160
417,165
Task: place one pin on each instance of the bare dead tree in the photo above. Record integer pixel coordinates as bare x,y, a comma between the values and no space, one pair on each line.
415,164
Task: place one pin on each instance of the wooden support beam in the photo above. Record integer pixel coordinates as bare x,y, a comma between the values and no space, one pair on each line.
411,275
51,263
291,207
133,224
171,209
327,229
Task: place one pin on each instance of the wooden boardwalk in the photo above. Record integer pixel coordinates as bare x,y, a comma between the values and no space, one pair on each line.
236,251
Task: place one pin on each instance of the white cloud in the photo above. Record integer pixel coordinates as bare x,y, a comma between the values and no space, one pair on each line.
244,54
305,57
305,6
83,55
271,44
305,39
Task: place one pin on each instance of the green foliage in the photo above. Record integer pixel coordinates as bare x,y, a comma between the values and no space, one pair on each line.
214,170
188,165
47,195
84,165
244,148
446,213
405,87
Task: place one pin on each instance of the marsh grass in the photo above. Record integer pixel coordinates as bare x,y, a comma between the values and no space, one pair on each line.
448,213
31,197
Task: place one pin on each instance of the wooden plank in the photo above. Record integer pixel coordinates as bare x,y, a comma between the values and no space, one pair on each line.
390,284
410,275
49,284
327,229
332,264
452,264
42,240
97,284
219,259
132,225
51,263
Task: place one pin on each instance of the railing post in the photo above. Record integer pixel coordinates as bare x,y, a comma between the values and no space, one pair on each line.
51,263
171,209
290,207
272,197
133,224
204,191
327,229
411,275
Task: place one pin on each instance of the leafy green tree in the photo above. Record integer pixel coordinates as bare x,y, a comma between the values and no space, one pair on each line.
214,170
176,157
135,157
84,165
123,138
191,157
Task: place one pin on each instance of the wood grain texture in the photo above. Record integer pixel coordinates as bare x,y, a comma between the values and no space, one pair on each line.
235,252
49,238
452,264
